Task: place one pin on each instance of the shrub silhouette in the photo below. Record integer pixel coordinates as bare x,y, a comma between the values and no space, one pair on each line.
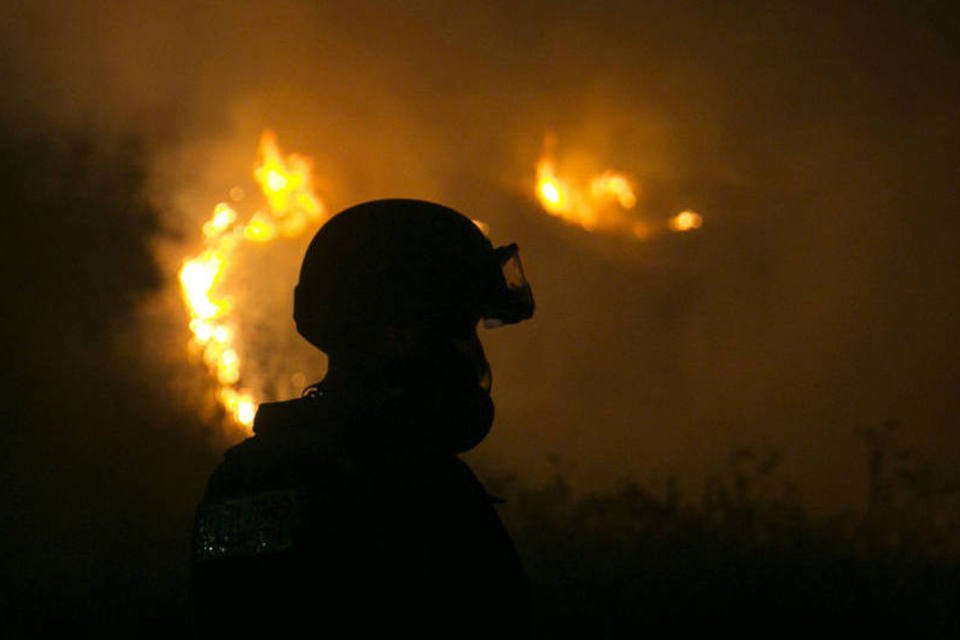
744,556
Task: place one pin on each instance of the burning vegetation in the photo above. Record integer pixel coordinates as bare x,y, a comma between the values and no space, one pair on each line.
605,202
601,201
292,209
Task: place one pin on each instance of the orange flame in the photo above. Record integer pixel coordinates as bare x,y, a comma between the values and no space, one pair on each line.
287,185
613,185
605,201
601,205
686,221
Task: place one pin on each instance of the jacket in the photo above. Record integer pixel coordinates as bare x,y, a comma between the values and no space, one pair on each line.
324,523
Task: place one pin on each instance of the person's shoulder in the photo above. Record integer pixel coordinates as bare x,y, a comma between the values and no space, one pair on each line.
288,426
290,438
271,487
279,417
442,480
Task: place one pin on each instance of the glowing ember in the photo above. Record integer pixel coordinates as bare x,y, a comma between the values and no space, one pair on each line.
686,221
293,209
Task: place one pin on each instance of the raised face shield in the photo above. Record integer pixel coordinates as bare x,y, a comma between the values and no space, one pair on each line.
512,302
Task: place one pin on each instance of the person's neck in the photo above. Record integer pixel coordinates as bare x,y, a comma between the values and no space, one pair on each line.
348,378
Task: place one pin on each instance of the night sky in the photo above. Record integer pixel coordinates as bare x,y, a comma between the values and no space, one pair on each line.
821,143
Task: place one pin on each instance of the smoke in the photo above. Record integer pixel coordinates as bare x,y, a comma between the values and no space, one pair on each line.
819,144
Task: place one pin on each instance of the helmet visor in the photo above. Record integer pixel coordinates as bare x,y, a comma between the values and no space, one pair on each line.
512,301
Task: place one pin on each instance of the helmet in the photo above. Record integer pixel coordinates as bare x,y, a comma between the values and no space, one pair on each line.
405,263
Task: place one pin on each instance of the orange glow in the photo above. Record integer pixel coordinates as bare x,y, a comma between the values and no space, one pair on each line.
552,194
293,208
596,201
223,217
197,278
686,221
483,226
601,204
288,186
614,185
559,200
240,404
259,229
275,181
603,200
641,230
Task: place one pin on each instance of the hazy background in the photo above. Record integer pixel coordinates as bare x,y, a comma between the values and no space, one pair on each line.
820,142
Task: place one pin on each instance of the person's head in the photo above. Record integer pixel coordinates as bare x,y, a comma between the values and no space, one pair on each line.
394,290
387,274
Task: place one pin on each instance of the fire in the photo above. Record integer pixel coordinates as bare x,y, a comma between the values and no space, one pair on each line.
288,186
553,195
616,186
558,199
223,217
293,208
686,221
605,200
601,205
197,278
259,229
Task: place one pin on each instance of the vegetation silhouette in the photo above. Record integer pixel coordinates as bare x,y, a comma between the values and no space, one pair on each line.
96,479
744,555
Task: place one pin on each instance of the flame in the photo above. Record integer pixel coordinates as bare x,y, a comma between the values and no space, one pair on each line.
686,221
288,187
293,208
601,205
197,277
602,201
259,229
223,217
614,185
553,194
558,199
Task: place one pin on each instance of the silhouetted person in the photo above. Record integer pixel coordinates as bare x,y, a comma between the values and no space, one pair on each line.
349,514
